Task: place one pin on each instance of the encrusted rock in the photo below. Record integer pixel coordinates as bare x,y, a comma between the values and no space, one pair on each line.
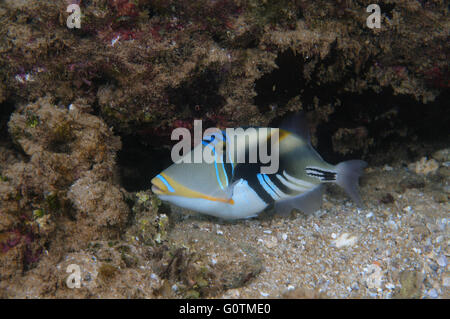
424,166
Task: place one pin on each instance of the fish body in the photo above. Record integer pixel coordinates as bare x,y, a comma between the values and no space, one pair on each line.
230,189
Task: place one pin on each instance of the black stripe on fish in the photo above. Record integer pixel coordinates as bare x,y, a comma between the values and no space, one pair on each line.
321,174
286,190
229,165
249,172
254,183
268,186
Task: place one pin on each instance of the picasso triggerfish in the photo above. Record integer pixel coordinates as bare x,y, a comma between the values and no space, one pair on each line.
230,189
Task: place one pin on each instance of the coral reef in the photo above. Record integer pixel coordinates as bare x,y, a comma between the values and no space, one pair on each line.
200,270
59,185
86,116
149,66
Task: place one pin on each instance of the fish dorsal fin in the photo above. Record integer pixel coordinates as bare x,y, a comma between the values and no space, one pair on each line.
296,123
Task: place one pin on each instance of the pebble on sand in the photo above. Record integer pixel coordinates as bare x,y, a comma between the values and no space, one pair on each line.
424,166
345,240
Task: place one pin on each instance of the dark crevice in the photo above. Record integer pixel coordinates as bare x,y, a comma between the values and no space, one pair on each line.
138,163
287,81
402,129
387,9
282,84
6,109
390,120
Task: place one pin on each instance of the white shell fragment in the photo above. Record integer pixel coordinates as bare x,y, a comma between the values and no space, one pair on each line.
345,240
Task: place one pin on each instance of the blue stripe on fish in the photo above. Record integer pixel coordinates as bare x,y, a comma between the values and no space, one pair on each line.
273,186
229,155
225,172
266,186
170,188
215,165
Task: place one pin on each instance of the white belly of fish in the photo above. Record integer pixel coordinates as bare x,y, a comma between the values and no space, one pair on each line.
246,203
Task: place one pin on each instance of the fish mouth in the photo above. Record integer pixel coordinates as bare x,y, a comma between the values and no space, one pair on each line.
158,187
156,190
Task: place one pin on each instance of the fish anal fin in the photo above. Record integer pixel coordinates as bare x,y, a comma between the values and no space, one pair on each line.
308,202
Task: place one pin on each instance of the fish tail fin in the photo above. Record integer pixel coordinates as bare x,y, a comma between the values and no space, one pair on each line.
348,174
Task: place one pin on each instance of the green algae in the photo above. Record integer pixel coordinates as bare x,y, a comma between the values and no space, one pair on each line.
38,213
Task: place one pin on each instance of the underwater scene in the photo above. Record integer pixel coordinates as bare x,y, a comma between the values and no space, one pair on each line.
224,149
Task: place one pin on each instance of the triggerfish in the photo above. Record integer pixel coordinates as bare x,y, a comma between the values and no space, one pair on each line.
232,190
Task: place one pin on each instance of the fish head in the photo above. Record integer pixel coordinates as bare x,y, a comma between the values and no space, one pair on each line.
191,181
184,180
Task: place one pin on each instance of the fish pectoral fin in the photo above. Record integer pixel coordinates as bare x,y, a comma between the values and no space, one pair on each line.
230,189
225,195
308,202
